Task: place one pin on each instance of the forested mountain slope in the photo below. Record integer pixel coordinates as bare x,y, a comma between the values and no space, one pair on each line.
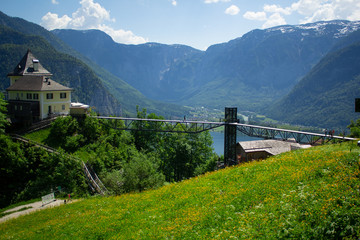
143,66
66,69
121,95
325,96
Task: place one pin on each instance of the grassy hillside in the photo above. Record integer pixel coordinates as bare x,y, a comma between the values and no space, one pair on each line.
311,194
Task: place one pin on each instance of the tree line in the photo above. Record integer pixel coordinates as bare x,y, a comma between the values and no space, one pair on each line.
126,161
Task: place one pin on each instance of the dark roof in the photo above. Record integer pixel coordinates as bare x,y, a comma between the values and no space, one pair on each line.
26,67
37,83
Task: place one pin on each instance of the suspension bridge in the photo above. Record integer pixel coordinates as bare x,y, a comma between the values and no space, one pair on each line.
231,125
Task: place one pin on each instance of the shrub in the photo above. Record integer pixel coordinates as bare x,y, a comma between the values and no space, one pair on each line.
141,173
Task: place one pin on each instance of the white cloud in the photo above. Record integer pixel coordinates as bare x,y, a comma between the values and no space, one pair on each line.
52,21
173,2
54,2
355,15
274,20
122,36
324,13
322,10
90,15
306,7
232,10
310,10
215,1
259,16
277,9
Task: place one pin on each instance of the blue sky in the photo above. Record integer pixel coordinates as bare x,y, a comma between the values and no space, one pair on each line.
196,23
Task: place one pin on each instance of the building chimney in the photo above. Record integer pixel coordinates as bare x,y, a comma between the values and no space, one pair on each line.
36,65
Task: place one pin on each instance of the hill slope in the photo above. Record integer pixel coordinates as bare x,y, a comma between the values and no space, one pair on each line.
143,66
66,70
325,96
304,194
116,89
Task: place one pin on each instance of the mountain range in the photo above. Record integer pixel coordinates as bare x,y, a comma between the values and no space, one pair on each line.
326,95
271,71
92,84
249,72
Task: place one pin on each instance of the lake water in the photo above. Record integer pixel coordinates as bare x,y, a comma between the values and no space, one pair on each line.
218,139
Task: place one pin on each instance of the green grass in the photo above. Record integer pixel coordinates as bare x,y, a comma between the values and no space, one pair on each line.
39,136
309,194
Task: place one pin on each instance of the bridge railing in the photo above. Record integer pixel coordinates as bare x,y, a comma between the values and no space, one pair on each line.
162,125
188,126
286,134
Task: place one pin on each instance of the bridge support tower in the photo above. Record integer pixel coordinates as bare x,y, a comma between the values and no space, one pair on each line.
230,137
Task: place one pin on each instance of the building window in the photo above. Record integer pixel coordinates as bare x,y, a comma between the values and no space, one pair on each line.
36,96
62,95
28,96
49,96
63,107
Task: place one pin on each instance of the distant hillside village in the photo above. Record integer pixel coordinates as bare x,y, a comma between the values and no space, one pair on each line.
33,96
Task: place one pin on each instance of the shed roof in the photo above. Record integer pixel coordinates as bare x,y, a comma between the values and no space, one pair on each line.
79,105
29,65
271,146
37,83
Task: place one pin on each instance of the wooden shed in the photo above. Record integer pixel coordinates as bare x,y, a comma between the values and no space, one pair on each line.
78,109
255,150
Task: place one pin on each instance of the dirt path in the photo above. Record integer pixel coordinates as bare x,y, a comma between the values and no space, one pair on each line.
36,206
